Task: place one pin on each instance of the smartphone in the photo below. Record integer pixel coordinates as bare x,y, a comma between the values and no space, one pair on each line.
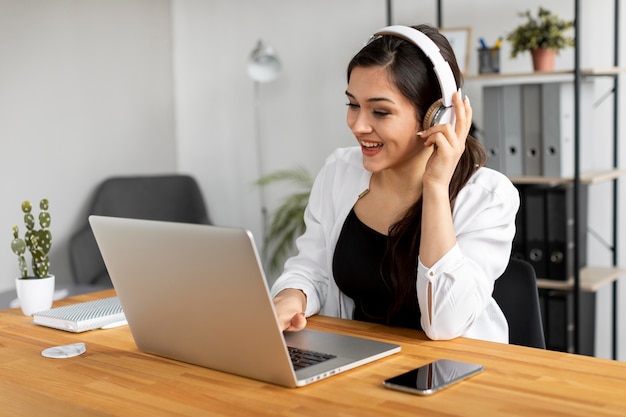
433,377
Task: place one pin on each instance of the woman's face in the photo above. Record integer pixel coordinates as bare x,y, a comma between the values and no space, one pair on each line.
382,120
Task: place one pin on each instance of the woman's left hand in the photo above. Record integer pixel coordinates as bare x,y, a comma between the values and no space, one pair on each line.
448,143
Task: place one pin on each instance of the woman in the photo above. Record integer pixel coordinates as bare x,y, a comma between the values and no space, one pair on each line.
409,228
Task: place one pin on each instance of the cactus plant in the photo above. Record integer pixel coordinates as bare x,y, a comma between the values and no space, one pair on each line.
37,241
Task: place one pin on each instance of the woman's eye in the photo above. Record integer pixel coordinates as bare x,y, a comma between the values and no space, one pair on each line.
352,106
380,113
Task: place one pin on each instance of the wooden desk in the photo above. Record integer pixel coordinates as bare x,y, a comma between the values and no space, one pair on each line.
114,379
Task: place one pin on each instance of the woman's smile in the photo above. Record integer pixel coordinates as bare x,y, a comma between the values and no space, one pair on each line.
370,148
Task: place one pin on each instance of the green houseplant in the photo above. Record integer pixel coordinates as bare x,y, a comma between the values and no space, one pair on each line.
543,35
287,221
35,290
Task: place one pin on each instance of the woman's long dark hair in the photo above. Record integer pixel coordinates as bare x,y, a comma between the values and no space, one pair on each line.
412,73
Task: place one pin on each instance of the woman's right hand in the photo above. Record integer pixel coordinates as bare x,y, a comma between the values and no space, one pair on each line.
290,305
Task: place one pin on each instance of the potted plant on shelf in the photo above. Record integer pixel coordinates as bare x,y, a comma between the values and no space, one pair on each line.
544,36
35,291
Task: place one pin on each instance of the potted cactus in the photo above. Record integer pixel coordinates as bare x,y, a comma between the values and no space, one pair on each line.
35,290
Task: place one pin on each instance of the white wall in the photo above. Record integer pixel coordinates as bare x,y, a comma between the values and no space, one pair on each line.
88,90
85,92
301,112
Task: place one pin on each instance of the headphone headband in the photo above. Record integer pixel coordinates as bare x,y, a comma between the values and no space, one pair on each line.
440,65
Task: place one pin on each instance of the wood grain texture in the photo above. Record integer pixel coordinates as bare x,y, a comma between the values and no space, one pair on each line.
113,378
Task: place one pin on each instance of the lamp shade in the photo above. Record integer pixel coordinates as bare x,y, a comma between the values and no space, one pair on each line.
263,64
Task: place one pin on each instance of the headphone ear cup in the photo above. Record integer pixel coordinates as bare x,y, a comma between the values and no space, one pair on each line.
431,113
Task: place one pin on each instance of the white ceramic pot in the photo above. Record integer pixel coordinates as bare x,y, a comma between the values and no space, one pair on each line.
35,294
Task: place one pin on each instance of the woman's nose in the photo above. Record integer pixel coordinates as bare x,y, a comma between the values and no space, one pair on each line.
359,123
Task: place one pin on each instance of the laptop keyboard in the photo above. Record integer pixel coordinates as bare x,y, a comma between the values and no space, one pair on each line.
301,358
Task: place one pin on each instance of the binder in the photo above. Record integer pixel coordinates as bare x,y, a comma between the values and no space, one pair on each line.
534,227
558,126
557,315
557,106
512,129
531,129
559,320
583,208
81,317
560,230
502,107
587,123
492,119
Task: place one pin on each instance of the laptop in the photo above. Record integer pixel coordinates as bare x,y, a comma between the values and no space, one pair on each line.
198,294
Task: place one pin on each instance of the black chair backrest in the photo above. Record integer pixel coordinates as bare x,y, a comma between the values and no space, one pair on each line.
517,295
174,198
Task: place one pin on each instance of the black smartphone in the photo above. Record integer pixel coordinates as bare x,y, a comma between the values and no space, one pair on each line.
433,377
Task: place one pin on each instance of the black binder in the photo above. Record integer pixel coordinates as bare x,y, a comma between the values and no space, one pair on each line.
558,320
557,315
534,226
560,230
545,229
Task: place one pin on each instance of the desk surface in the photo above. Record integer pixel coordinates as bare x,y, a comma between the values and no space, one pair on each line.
113,378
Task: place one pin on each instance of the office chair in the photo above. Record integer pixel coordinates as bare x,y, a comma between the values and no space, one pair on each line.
174,198
517,295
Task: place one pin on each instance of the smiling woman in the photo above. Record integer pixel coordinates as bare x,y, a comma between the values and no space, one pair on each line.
381,243
382,120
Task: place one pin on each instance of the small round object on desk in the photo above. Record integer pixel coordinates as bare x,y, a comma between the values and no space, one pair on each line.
64,351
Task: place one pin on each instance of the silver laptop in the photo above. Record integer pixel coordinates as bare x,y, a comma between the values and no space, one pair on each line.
197,294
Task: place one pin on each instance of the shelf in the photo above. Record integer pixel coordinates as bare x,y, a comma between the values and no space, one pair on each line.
542,76
603,72
522,78
591,279
589,177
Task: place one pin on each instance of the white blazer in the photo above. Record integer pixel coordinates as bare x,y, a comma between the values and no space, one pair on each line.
462,280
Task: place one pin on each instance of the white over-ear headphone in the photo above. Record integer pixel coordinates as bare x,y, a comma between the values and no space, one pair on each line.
442,110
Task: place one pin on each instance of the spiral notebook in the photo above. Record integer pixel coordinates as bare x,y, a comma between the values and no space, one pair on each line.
81,317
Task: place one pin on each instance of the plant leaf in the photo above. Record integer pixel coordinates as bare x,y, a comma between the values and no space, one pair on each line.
287,221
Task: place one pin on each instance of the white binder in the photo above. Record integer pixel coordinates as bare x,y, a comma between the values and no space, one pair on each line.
531,129
493,141
558,129
512,129
558,126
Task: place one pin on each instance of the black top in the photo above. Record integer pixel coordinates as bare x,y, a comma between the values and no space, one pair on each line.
357,269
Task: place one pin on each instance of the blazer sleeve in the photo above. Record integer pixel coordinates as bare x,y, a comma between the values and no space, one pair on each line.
462,280
307,270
